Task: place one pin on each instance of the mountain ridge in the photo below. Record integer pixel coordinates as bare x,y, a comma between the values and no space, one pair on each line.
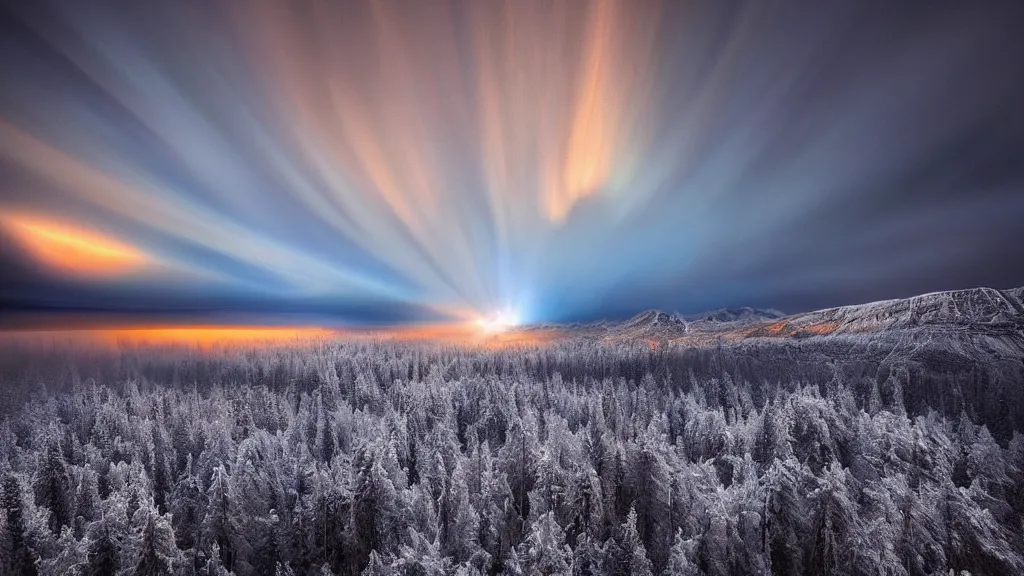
980,308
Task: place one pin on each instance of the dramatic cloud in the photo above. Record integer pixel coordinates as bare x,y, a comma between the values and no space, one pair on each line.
396,161
72,250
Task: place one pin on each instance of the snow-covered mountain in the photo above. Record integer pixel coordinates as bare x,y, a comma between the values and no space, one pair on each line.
979,309
974,307
651,319
730,315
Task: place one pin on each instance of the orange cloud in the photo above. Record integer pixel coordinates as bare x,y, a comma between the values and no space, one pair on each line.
233,337
593,132
72,249
204,337
614,82
209,335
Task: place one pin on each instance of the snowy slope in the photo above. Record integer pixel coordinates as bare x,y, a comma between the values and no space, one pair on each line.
978,307
980,311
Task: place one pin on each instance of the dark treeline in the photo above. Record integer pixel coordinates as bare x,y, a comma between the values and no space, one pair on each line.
357,457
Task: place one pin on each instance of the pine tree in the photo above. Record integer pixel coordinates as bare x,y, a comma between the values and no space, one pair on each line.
680,559
213,565
637,562
376,566
154,551
52,487
649,490
20,557
586,556
518,459
107,537
71,556
374,508
421,557
544,551
188,506
550,493
87,498
834,520
500,525
160,461
785,530
459,522
218,526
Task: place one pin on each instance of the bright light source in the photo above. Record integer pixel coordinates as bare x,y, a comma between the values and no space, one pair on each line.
499,321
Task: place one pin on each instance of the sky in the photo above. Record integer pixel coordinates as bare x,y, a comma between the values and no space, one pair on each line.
352,163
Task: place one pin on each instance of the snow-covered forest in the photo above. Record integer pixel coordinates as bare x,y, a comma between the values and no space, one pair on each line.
576,457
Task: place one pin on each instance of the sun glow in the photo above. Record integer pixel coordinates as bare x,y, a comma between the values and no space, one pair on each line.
498,322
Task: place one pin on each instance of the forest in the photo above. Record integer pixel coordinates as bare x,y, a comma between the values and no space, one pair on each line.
373,457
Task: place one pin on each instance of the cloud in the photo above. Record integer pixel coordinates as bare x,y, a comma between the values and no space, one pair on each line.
558,159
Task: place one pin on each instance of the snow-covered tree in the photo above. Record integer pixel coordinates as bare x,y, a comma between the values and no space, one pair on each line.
582,457
153,550
544,551
20,550
681,558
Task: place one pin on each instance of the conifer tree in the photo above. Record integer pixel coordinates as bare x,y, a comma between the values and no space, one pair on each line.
20,556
